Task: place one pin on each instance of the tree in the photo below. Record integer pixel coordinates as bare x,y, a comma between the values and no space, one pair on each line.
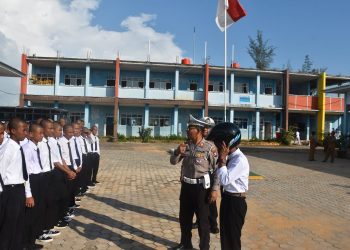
307,65
260,51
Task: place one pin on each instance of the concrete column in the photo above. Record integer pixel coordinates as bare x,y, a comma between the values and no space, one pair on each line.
56,106
87,114
308,127
87,80
176,120
257,98
146,121
274,126
148,71
232,88
176,87
30,72
57,79
345,129
257,124
232,115
203,112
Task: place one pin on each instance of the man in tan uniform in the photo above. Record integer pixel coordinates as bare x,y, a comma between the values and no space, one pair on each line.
198,158
313,145
331,145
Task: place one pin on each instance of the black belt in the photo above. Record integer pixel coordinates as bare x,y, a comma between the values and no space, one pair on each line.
243,195
14,185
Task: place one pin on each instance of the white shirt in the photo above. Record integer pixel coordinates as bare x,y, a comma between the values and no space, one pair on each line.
77,148
85,143
55,150
234,177
66,146
25,141
11,164
32,161
45,154
95,144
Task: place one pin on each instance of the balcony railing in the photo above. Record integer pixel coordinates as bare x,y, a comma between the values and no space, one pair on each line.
303,102
334,104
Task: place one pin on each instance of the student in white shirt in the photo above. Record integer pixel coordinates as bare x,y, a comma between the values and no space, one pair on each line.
96,154
34,190
13,171
233,173
76,141
86,141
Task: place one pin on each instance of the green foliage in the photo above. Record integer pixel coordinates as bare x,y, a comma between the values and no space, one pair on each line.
307,65
169,138
287,137
121,137
145,133
260,51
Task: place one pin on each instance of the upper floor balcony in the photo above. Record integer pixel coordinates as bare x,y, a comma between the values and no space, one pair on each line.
308,103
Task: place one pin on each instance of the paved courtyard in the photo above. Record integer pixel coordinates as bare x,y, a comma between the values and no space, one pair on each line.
299,204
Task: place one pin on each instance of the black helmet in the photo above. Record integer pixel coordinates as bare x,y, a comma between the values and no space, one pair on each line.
225,132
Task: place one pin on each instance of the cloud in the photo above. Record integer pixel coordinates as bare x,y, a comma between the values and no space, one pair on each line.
44,27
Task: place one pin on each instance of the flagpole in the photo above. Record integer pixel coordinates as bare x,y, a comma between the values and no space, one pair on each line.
225,65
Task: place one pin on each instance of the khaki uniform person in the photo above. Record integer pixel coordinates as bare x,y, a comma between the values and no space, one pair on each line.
331,145
313,145
198,157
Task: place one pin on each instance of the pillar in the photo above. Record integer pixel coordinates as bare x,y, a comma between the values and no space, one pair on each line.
116,100
24,79
285,100
257,124
57,79
321,114
146,122
232,88
176,120
87,114
308,127
232,114
206,89
87,80
176,87
148,71
257,98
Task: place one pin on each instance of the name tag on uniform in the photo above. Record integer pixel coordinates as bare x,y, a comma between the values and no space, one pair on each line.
206,181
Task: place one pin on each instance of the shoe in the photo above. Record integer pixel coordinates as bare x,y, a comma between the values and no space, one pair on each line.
214,230
96,182
36,246
52,233
61,224
77,199
92,185
194,225
44,238
88,191
181,247
67,218
70,214
74,207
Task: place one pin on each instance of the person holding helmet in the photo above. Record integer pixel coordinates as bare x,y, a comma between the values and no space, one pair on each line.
213,211
233,174
198,156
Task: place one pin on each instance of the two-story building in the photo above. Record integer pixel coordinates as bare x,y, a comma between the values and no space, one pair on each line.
120,96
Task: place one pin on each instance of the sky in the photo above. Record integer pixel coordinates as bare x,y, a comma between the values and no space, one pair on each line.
104,28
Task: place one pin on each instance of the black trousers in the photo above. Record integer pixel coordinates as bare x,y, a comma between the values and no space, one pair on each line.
12,217
232,215
95,166
213,215
32,215
194,200
86,174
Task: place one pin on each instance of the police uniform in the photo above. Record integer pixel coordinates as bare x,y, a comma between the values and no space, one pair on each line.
196,163
34,188
13,171
313,145
233,208
331,145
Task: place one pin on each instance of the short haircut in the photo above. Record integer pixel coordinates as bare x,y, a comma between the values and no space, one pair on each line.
56,125
33,127
14,123
66,127
44,123
93,126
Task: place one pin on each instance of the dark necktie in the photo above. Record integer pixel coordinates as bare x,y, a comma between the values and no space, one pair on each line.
92,147
76,150
2,183
85,145
95,143
59,149
39,159
70,155
24,166
49,149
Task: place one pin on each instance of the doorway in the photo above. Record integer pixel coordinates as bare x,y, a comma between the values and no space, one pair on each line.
109,126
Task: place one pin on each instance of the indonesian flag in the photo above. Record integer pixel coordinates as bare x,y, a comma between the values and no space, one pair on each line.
234,12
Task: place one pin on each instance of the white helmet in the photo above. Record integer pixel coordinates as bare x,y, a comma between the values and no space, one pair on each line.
208,121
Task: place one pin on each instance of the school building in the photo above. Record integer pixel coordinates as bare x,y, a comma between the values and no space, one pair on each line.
120,96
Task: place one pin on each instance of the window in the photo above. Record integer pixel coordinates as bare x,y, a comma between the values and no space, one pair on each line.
216,86
278,88
193,85
130,119
217,120
160,84
242,88
74,80
74,116
268,89
242,123
43,79
159,120
110,83
132,82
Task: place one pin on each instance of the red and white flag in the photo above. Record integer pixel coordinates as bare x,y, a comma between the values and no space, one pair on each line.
234,12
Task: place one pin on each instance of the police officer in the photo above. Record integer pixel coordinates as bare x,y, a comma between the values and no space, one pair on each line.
331,145
313,145
233,173
198,158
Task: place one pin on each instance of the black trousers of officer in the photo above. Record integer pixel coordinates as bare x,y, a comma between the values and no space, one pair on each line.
96,164
32,215
12,217
232,214
194,200
213,215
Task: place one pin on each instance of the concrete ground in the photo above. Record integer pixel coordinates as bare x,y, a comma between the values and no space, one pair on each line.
298,205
